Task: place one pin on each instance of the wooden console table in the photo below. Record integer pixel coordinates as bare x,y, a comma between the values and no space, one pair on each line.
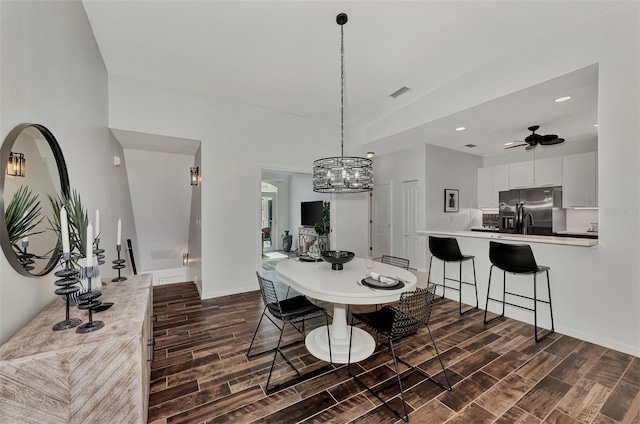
51,376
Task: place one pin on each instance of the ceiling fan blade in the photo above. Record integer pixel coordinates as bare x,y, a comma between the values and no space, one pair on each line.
552,142
516,145
531,146
547,138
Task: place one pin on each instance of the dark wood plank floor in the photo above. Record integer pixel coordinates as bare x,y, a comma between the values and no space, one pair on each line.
202,375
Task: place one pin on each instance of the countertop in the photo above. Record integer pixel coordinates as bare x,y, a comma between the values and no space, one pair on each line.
567,241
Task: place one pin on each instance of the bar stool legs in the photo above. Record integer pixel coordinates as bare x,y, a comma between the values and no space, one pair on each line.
538,335
459,281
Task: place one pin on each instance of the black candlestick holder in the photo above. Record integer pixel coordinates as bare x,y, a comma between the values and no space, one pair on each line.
25,258
97,252
119,264
67,286
90,303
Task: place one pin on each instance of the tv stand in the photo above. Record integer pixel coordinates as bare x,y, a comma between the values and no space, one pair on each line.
306,237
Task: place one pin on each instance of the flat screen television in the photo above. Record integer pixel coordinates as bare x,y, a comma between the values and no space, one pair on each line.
310,213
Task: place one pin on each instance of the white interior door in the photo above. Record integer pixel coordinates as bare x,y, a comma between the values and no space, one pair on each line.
410,220
381,220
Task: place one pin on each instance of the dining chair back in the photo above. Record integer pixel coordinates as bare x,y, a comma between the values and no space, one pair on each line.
394,323
292,310
395,261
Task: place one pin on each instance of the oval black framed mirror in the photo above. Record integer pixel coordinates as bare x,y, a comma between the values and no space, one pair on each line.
33,168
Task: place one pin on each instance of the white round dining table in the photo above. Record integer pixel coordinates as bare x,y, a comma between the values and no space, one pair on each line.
341,287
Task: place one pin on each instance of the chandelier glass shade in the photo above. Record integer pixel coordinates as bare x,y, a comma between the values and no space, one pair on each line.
342,174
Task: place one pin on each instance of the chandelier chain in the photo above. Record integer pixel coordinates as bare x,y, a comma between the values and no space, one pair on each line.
342,90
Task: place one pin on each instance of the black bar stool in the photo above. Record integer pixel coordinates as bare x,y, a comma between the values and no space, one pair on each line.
517,259
447,250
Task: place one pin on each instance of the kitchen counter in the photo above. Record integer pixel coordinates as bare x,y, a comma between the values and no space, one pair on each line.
568,241
581,234
485,229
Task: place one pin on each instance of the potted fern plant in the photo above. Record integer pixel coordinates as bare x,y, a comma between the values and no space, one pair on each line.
23,216
323,227
78,219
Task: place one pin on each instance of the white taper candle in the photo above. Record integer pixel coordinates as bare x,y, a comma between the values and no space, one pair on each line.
64,228
89,254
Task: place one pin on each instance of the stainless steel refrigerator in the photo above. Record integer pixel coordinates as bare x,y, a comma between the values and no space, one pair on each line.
532,211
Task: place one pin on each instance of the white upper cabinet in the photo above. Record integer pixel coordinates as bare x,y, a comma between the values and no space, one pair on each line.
485,187
579,180
491,180
548,172
521,174
500,181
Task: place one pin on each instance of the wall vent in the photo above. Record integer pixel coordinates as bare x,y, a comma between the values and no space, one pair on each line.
471,146
399,92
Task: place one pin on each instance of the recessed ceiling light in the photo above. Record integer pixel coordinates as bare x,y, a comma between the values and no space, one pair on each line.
471,146
562,99
461,128
595,125
508,143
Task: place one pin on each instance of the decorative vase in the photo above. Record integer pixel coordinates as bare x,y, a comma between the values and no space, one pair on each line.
287,239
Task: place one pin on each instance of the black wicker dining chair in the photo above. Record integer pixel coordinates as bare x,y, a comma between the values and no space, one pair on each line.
395,261
293,310
393,323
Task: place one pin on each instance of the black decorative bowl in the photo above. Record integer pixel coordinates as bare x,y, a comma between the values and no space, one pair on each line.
337,257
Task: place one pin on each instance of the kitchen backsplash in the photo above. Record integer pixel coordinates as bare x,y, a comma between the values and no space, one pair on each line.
581,219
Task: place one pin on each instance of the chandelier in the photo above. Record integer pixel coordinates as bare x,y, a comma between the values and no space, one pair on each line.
342,174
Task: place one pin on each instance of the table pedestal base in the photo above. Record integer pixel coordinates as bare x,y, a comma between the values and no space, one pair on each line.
362,345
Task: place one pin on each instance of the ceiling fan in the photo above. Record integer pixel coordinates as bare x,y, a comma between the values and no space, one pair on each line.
534,139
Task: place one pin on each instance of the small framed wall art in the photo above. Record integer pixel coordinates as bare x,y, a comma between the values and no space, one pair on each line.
451,200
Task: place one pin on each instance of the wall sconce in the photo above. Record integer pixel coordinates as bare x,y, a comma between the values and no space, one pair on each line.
370,154
16,164
185,259
195,176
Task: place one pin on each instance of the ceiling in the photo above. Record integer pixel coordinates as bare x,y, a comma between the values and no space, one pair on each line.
285,55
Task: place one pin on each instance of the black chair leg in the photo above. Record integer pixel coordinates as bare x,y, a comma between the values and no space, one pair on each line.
536,335
404,418
550,307
256,332
273,362
460,311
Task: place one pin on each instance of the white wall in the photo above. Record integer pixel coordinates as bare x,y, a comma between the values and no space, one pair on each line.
607,310
238,141
52,73
194,267
393,169
434,168
161,197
